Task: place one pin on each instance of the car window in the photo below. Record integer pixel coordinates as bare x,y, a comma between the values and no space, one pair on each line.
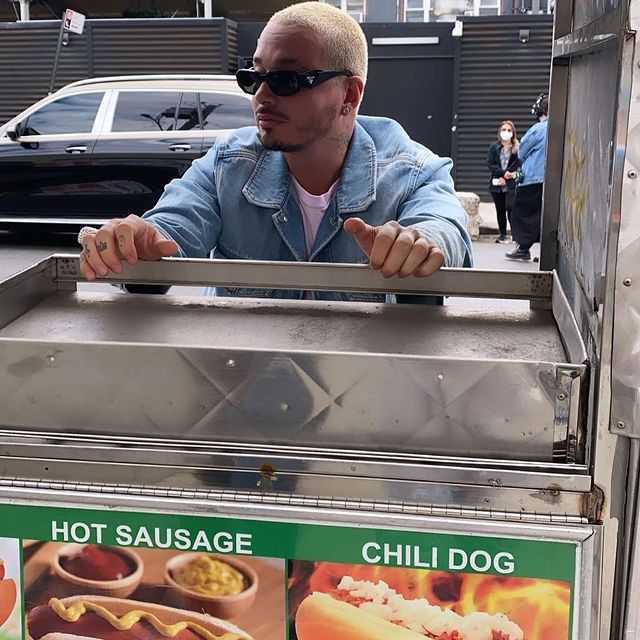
225,111
146,111
71,114
187,116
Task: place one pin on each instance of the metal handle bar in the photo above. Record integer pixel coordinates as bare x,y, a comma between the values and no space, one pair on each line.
316,276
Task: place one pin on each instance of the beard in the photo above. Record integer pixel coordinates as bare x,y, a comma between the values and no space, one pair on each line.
304,135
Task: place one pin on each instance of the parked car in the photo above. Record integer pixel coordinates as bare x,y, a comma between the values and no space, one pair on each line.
106,147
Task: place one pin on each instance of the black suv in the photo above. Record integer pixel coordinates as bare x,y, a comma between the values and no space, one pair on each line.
106,147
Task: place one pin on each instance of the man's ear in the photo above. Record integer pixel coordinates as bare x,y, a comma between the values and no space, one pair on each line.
354,92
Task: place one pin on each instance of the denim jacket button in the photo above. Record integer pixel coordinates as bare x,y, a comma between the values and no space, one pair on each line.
285,219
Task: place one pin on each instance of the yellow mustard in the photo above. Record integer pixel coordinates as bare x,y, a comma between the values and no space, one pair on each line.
210,577
77,609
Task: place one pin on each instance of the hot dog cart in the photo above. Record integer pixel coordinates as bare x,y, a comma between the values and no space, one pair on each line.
483,461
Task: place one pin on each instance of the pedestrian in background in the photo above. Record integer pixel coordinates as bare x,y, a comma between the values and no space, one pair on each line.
503,163
527,208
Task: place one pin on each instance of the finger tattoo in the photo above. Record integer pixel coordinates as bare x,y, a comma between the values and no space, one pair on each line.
102,246
88,252
121,240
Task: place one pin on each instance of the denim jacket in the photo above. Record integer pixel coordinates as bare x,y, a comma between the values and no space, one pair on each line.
531,152
236,203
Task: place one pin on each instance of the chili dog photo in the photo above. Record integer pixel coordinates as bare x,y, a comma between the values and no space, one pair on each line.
333,601
107,592
362,610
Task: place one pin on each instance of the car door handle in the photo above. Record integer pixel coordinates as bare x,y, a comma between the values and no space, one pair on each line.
179,147
81,148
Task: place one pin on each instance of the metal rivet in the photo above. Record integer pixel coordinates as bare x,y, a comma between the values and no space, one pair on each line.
284,406
627,282
621,425
285,219
632,173
561,396
440,377
231,363
52,359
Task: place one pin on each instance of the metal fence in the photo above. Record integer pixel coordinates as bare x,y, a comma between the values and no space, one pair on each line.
108,47
503,64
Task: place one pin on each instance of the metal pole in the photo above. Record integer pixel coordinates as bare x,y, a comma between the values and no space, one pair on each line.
57,56
24,10
208,9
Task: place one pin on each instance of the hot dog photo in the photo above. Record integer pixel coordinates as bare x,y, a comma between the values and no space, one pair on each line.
99,592
331,601
10,606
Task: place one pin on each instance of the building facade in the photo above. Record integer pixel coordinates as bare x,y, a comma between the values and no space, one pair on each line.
259,10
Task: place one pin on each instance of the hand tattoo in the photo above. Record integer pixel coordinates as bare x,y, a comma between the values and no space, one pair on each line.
121,240
102,246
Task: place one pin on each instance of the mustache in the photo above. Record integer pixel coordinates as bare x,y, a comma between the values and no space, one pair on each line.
261,111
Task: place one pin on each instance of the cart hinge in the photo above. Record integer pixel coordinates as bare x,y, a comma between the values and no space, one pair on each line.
289,500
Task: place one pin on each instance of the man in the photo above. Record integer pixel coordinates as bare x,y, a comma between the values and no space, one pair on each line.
527,208
312,182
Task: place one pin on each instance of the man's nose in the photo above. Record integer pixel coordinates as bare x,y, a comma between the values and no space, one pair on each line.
264,93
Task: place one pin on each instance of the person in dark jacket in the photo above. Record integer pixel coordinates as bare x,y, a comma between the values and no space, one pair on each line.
503,163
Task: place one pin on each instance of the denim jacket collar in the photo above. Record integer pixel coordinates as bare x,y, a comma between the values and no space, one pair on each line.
268,186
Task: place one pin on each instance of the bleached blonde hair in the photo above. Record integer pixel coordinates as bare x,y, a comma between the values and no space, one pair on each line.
345,42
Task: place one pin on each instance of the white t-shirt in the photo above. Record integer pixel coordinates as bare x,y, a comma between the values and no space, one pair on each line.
312,209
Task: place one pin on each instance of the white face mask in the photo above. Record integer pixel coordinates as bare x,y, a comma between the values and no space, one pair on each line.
506,135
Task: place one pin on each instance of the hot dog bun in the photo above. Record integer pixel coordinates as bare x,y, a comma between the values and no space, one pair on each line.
321,617
55,635
119,607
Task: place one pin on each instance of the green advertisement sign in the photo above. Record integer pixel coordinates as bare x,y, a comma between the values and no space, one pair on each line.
272,580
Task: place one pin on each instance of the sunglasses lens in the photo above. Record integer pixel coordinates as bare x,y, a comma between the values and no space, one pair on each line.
283,83
248,80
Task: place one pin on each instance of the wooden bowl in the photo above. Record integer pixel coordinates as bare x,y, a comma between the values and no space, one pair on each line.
120,588
221,606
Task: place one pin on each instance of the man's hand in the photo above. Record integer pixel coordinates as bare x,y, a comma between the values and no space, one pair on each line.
395,250
509,175
129,239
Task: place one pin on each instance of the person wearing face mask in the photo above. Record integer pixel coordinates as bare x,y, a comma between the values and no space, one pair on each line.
526,215
503,163
312,181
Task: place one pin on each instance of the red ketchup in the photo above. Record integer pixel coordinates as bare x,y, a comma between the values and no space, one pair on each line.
97,563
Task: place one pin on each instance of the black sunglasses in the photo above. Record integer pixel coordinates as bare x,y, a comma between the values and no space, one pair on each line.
284,83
